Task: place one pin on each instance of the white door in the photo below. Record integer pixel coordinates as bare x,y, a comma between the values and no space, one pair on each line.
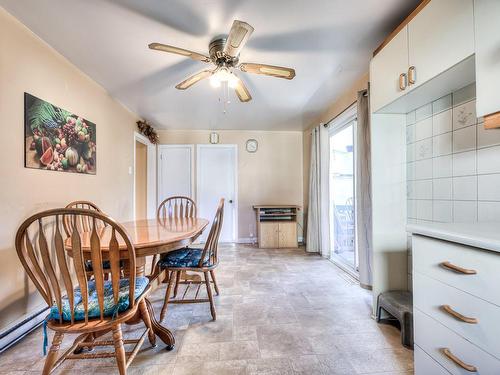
175,171
216,178
385,69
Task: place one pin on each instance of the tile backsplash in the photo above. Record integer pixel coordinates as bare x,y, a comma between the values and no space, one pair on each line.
453,163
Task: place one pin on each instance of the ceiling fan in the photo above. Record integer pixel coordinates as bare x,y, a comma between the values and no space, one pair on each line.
224,53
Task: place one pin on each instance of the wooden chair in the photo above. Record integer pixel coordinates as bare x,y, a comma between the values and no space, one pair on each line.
172,208
77,305
197,260
84,224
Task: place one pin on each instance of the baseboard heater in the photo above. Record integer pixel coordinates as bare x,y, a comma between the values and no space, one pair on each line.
15,333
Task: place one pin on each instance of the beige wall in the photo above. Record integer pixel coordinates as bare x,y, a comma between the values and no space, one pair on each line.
339,105
141,180
27,64
272,175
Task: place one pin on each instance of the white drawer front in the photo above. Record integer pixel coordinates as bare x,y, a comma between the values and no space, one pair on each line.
433,337
425,365
429,253
430,295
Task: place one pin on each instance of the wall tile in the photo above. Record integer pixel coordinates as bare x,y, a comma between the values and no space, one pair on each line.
423,129
423,189
464,211
464,139
423,149
465,188
423,112
410,118
442,104
442,211
410,171
410,152
423,169
442,166
487,137
424,210
488,187
410,134
442,145
442,188
465,94
488,160
488,211
442,122
411,209
464,115
464,163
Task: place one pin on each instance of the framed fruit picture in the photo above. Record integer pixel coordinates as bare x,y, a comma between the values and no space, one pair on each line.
56,139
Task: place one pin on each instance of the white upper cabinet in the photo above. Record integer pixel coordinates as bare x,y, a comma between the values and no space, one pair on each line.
386,70
487,35
440,36
436,39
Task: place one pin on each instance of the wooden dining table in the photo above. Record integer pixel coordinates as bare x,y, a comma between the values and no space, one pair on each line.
151,237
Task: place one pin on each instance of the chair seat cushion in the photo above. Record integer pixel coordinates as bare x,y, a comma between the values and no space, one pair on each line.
186,257
109,305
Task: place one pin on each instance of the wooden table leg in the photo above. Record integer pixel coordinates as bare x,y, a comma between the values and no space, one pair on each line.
163,333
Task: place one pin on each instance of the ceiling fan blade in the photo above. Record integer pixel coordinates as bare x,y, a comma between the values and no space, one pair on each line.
238,36
242,92
268,70
187,83
179,51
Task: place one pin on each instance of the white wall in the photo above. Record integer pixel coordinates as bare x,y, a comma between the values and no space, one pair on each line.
27,64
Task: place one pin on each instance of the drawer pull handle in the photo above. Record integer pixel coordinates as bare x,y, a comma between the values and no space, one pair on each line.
457,269
458,316
458,361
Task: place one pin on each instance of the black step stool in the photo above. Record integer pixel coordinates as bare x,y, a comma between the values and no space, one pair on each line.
398,304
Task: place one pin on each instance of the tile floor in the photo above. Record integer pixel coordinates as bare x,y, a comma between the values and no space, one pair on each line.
279,312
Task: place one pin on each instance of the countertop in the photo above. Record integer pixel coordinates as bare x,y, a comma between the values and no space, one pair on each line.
481,235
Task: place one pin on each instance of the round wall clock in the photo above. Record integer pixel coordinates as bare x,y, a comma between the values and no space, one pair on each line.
252,145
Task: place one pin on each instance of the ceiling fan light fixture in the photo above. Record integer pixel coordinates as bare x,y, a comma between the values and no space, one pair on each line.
223,75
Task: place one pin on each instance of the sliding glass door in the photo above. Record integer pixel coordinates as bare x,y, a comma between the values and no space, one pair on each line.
342,220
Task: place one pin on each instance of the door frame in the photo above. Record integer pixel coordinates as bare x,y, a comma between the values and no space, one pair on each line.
158,164
235,199
150,176
338,124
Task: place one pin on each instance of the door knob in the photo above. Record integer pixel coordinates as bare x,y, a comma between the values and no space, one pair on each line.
230,201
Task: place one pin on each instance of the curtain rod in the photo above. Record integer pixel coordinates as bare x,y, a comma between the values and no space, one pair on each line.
365,94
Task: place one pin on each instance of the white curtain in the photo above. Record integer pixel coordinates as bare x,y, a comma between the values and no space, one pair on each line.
363,192
318,233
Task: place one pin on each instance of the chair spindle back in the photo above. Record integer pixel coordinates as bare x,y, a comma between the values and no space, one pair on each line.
176,207
83,223
44,253
211,245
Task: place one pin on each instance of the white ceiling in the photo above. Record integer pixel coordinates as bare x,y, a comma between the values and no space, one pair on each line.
328,42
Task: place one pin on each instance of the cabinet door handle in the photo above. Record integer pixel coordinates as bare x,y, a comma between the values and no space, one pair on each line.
457,269
412,75
458,361
457,315
402,81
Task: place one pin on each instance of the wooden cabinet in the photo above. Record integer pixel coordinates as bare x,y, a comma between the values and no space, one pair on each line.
277,226
487,37
438,35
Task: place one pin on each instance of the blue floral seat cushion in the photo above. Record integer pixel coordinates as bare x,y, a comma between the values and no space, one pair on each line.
186,257
110,308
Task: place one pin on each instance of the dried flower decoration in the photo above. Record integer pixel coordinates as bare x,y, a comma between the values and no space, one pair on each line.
148,131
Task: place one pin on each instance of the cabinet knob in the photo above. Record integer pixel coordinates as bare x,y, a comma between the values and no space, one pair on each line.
403,81
412,75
